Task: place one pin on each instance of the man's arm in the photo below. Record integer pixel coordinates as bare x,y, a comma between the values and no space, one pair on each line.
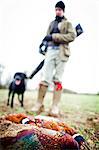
66,37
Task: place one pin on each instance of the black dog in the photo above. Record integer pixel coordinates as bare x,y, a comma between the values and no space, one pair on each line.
18,86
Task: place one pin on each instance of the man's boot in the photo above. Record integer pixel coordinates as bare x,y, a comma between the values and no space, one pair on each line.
54,111
39,107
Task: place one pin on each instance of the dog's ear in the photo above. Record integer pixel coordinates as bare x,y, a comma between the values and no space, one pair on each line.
17,74
24,76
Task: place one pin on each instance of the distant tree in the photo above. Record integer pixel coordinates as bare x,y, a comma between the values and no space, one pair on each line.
69,91
7,81
98,93
1,72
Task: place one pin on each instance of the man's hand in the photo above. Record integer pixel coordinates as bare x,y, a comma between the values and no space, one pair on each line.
48,38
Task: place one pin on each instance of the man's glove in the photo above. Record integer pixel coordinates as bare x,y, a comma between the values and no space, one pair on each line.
48,38
43,47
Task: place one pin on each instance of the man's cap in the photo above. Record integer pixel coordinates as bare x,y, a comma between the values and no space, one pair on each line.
61,5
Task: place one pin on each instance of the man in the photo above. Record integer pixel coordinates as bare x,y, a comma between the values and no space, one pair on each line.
60,33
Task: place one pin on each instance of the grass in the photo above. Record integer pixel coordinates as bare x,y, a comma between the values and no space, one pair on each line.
79,111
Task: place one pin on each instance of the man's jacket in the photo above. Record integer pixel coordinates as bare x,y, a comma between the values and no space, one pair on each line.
67,34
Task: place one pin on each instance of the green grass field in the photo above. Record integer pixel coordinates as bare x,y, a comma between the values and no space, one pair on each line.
79,111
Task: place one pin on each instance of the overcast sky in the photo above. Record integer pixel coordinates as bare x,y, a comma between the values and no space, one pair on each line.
23,25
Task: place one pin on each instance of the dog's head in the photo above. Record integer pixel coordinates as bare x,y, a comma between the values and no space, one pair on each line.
19,78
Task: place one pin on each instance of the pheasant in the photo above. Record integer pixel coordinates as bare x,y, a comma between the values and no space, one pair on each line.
45,134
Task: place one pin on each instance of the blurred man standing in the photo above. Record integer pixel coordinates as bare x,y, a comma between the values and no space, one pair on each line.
60,33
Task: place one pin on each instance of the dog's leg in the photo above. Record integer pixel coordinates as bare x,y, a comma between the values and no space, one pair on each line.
12,99
9,97
19,98
22,97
